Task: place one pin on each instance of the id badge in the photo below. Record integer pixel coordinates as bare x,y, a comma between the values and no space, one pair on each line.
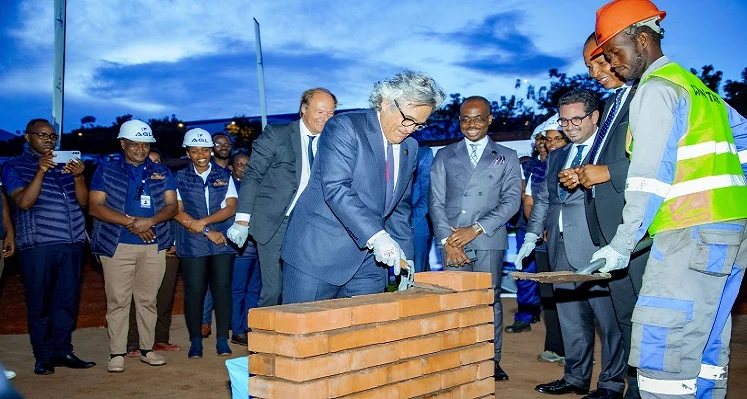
145,201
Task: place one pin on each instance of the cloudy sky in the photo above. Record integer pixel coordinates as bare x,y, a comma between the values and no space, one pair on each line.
195,59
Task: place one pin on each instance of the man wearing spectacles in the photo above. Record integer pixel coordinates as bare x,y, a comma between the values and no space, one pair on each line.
570,247
354,216
50,233
279,170
475,190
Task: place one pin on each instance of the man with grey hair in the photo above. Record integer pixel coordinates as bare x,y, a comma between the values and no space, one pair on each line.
354,216
277,173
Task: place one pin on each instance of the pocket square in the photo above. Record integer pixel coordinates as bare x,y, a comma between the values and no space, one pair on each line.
500,160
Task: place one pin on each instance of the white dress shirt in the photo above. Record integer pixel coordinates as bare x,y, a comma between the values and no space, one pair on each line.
231,193
481,145
395,150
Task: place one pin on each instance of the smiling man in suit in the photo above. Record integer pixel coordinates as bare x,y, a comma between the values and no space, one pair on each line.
278,172
356,209
562,212
475,189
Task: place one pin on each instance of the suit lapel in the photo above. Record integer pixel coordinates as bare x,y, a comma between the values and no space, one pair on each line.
557,166
407,156
620,115
488,156
460,151
376,142
296,143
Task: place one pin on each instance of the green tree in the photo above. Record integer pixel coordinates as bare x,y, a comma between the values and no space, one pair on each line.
244,131
736,93
710,77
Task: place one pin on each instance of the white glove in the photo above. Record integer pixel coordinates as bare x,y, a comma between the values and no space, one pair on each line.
238,234
387,251
530,241
614,260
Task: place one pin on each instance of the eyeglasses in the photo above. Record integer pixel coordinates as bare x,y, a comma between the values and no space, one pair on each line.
409,122
557,139
219,145
576,120
46,136
477,119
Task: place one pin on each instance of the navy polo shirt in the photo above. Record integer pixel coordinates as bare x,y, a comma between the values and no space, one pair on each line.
133,200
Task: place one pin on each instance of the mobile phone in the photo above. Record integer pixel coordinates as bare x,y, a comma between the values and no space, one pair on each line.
65,156
471,254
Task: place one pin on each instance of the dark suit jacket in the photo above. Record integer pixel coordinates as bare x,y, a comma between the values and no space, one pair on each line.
344,204
420,186
546,211
612,193
489,193
271,179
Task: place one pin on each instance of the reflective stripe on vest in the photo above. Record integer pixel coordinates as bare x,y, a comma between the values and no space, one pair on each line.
709,183
710,372
667,387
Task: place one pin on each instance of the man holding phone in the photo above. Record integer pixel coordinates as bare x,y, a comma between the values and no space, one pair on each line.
50,233
475,189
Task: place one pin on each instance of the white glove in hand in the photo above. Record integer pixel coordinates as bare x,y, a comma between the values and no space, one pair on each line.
238,234
530,241
614,260
387,251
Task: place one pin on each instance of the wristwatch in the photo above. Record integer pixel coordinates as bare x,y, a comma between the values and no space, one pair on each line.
476,227
206,230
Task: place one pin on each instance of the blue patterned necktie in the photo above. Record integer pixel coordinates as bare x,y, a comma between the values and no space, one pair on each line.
576,162
473,155
603,133
311,151
389,173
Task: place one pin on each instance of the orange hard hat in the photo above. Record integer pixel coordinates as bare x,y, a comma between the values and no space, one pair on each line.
617,15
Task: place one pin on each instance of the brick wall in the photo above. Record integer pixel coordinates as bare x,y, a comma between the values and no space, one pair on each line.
410,344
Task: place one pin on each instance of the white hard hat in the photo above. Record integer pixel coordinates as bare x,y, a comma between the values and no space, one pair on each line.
552,124
136,130
197,138
540,129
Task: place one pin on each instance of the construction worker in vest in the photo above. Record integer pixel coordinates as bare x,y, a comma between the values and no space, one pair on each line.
686,186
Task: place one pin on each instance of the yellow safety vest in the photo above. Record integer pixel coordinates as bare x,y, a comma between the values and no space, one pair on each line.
709,183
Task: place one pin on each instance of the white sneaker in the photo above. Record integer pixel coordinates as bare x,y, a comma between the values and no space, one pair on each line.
116,364
9,374
153,358
549,356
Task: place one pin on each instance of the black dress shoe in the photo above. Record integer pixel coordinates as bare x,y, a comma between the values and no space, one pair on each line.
43,368
603,393
73,362
239,339
560,387
518,327
499,374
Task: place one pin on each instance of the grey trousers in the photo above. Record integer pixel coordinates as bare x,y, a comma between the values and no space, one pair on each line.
270,268
490,262
578,305
682,321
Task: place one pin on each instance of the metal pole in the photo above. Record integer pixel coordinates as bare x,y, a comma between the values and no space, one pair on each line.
260,74
58,83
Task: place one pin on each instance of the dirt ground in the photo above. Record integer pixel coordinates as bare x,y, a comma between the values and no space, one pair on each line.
208,378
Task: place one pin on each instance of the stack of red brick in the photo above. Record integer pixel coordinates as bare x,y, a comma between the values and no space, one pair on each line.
410,344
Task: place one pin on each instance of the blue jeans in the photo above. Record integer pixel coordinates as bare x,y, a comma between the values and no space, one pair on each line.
245,289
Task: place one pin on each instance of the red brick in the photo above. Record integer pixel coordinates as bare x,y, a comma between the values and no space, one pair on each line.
385,392
265,387
487,297
347,384
261,341
420,386
457,281
306,318
440,322
261,318
260,364
474,316
441,361
299,370
485,332
404,371
375,308
460,337
402,329
301,346
458,376
418,303
420,346
459,300
374,356
478,353
478,388
485,369
354,337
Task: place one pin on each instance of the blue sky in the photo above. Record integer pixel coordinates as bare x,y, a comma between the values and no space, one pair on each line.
154,58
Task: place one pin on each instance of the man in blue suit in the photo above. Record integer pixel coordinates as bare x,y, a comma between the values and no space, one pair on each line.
421,225
356,210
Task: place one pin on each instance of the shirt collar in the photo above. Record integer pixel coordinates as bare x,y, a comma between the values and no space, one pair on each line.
588,141
656,65
480,143
205,173
381,129
304,129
